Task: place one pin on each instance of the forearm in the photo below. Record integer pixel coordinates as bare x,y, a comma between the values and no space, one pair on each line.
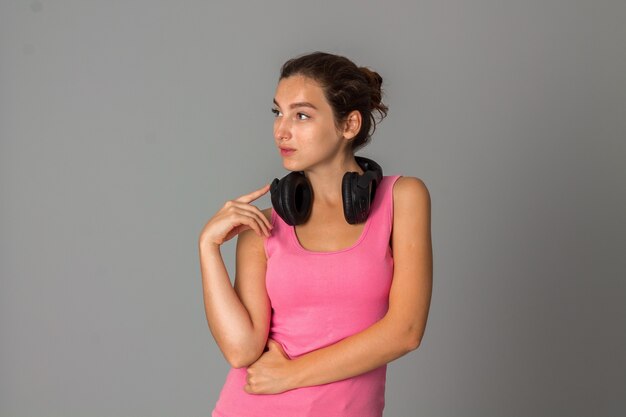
228,319
371,348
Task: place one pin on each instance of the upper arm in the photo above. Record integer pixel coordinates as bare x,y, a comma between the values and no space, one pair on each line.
249,284
409,297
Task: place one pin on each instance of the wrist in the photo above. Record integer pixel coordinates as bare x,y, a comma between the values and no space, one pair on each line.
295,372
209,247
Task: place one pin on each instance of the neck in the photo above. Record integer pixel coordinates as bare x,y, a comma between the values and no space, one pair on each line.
326,179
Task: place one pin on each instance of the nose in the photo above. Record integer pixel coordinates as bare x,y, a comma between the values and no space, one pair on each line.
282,129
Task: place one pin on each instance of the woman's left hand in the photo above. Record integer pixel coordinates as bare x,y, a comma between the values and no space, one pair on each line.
270,373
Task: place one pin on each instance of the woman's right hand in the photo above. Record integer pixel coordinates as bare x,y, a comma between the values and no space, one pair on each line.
234,217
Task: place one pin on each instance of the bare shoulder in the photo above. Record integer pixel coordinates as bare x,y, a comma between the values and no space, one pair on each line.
410,192
411,223
250,240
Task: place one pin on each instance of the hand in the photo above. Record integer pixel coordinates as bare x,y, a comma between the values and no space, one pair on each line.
270,373
233,218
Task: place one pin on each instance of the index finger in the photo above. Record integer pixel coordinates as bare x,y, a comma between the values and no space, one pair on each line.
247,198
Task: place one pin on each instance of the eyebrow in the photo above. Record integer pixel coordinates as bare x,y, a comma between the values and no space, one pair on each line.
299,104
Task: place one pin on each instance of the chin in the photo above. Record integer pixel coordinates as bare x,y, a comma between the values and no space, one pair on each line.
291,166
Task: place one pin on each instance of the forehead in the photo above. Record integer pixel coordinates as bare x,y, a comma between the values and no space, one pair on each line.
299,88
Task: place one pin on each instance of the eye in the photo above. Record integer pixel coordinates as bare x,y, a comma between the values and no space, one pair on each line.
276,112
302,114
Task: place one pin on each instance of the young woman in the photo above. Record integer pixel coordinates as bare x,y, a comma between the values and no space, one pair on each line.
334,280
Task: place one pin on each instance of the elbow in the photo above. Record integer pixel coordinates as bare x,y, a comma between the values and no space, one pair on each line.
240,359
412,339
238,363
408,336
412,343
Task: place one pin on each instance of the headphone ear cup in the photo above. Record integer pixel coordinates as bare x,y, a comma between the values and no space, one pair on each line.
292,197
358,191
348,186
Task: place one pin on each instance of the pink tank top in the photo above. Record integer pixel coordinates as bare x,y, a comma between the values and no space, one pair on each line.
319,298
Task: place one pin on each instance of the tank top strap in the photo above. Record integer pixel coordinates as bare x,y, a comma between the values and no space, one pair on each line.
381,212
386,200
279,235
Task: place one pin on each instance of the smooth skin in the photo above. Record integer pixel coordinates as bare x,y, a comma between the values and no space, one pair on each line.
239,317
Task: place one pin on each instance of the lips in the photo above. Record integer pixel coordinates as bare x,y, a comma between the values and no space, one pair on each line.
286,151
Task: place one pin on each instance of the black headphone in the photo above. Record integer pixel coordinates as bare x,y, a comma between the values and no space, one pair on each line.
292,196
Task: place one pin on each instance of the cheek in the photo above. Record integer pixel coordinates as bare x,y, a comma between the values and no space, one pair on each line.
305,132
318,131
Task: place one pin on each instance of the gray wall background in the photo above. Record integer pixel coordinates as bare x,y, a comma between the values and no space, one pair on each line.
125,125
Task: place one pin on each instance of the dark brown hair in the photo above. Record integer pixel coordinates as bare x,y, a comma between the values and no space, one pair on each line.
346,88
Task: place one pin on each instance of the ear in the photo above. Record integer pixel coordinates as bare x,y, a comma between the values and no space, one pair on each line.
352,125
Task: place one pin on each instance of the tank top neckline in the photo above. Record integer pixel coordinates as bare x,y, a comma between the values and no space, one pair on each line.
298,245
366,228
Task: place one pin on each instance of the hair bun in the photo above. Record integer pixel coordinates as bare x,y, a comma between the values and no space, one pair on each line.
375,82
374,78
